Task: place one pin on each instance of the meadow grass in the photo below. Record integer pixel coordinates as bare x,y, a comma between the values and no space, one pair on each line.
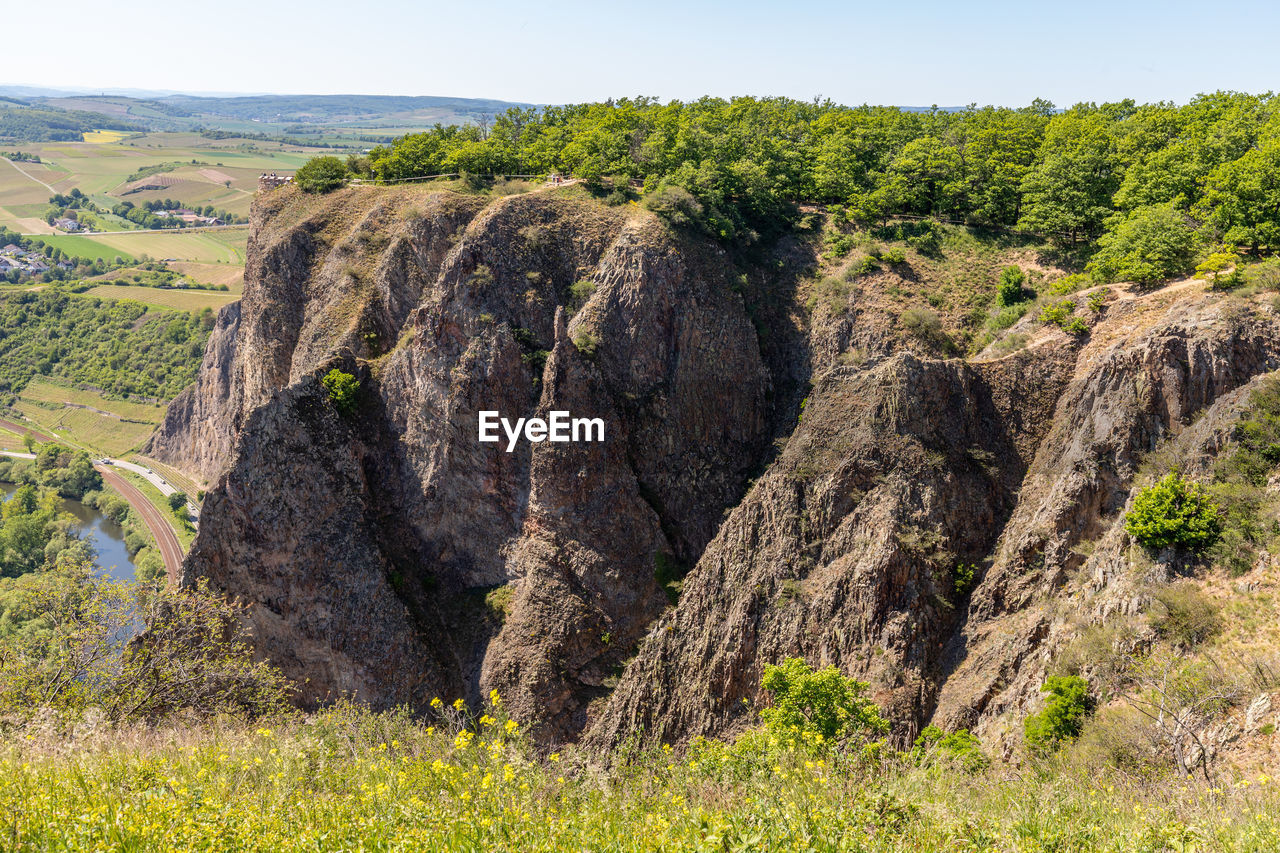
348,779
42,390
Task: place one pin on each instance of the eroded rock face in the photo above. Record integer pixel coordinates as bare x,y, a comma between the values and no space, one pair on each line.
842,557
390,554
443,310
845,551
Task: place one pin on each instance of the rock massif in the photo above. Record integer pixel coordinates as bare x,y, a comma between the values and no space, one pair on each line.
918,525
391,555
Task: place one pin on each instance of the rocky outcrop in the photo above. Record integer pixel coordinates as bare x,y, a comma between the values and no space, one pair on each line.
846,551
1174,371
923,524
432,563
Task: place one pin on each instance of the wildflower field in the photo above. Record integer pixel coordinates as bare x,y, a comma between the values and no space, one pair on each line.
348,779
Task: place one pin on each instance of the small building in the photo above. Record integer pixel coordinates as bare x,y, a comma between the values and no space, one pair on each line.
66,224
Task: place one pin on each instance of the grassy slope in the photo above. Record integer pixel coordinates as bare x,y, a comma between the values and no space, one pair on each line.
350,781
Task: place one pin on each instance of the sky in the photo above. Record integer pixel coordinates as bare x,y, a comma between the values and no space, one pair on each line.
907,54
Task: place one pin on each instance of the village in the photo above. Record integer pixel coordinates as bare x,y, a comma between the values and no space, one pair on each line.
14,258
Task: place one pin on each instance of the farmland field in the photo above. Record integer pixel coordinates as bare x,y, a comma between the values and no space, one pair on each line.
180,300
88,418
11,441
230,275
221,172
220,245
98,137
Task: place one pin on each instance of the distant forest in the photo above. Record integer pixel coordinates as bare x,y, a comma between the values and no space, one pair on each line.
1202,173
29,124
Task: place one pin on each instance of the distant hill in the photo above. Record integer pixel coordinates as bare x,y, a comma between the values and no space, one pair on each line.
31,114
362,110
21,123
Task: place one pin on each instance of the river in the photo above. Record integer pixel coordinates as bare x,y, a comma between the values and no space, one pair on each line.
106,537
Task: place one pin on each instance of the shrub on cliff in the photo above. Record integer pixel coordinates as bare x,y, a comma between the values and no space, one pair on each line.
960,748
321,175
342,389
1174,512
1063,716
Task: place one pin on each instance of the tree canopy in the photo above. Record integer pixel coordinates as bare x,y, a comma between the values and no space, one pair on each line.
748,162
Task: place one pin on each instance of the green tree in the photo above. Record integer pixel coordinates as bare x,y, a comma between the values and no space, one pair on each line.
177,500
1242,198
1063,716
821,703
1152,244
343,389
1011,280
1069,191
1174,513
321,175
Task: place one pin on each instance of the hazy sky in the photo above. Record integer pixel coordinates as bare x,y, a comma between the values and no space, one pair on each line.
916,53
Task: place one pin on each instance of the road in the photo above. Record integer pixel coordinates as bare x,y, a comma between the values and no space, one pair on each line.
160,528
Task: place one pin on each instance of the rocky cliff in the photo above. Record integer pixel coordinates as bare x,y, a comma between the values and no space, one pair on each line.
391,555
917,520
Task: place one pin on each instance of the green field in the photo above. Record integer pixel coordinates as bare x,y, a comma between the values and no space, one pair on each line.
11,441
180,300
221,245
114,427
217,274
101,170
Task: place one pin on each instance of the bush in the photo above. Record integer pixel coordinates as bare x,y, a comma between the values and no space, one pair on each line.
926,237
892,257
864,266
1057,313
191,658
587,344
342,389
1068,284
321,175
960,748
824,704
177,500
927,326
1184,615
579,293
1174,512
1076,326
1011,280
1063,716
676,205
